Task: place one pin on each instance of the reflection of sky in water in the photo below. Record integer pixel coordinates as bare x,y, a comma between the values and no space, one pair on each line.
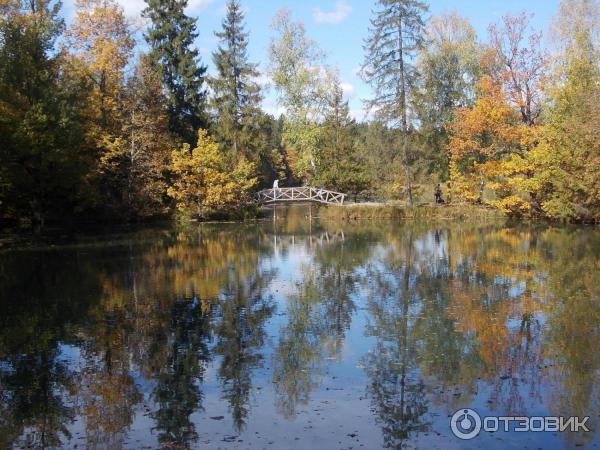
325,335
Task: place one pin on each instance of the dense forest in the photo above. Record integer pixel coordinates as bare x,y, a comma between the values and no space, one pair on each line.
97,123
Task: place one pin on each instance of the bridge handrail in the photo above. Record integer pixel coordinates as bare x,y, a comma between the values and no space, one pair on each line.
291,188
300,193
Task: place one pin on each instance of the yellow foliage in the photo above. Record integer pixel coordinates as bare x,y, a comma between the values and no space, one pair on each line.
488,147
102,42
203,182
512,205
397,190
463,186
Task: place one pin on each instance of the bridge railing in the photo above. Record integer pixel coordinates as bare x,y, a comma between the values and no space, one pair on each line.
300,194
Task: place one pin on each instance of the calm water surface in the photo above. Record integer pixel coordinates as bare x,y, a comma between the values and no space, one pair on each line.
292,334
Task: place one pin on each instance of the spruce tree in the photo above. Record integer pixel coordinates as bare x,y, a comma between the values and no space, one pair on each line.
171,36
396,34
236,94
339,165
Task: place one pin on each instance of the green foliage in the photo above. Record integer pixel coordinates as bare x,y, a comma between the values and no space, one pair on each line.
302,84
171,37
240,125
567,156
339,167
396,34
43,157
448,65
236,93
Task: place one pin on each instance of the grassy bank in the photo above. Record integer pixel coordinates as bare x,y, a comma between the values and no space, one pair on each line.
369,211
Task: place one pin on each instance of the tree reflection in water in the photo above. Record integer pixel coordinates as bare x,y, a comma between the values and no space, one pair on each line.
243,309
97,341
396,388
319,314
177,394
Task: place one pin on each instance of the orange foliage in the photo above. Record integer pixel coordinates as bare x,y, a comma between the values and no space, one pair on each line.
487,147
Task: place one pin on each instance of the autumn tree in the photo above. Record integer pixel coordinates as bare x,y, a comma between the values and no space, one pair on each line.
396,33
102,42
491,142
203,182
171,37
101,45
567,157
520,63
488,144
147,142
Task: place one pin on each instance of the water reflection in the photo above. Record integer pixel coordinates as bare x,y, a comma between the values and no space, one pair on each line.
191,337
397,389
243,310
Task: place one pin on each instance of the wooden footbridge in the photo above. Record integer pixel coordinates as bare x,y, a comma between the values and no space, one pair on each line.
300,194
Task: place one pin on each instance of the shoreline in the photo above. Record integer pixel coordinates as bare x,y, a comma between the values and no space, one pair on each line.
400,211
59,234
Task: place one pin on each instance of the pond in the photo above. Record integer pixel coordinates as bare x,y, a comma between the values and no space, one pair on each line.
292,333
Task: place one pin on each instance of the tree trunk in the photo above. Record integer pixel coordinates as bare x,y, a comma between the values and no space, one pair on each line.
402,89
407,177
402,80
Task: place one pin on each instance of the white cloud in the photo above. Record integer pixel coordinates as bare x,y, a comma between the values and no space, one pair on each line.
132,8
341,11
349,91
274,110
358,114
195,6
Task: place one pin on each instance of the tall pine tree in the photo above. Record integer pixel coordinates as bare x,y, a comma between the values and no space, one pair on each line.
171,36
236,94
396,34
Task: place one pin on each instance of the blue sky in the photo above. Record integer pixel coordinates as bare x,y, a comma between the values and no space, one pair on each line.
339,26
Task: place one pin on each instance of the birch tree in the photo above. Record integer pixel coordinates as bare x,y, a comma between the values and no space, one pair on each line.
299,76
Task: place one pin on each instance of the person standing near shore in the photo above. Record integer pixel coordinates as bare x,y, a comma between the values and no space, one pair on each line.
438,194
